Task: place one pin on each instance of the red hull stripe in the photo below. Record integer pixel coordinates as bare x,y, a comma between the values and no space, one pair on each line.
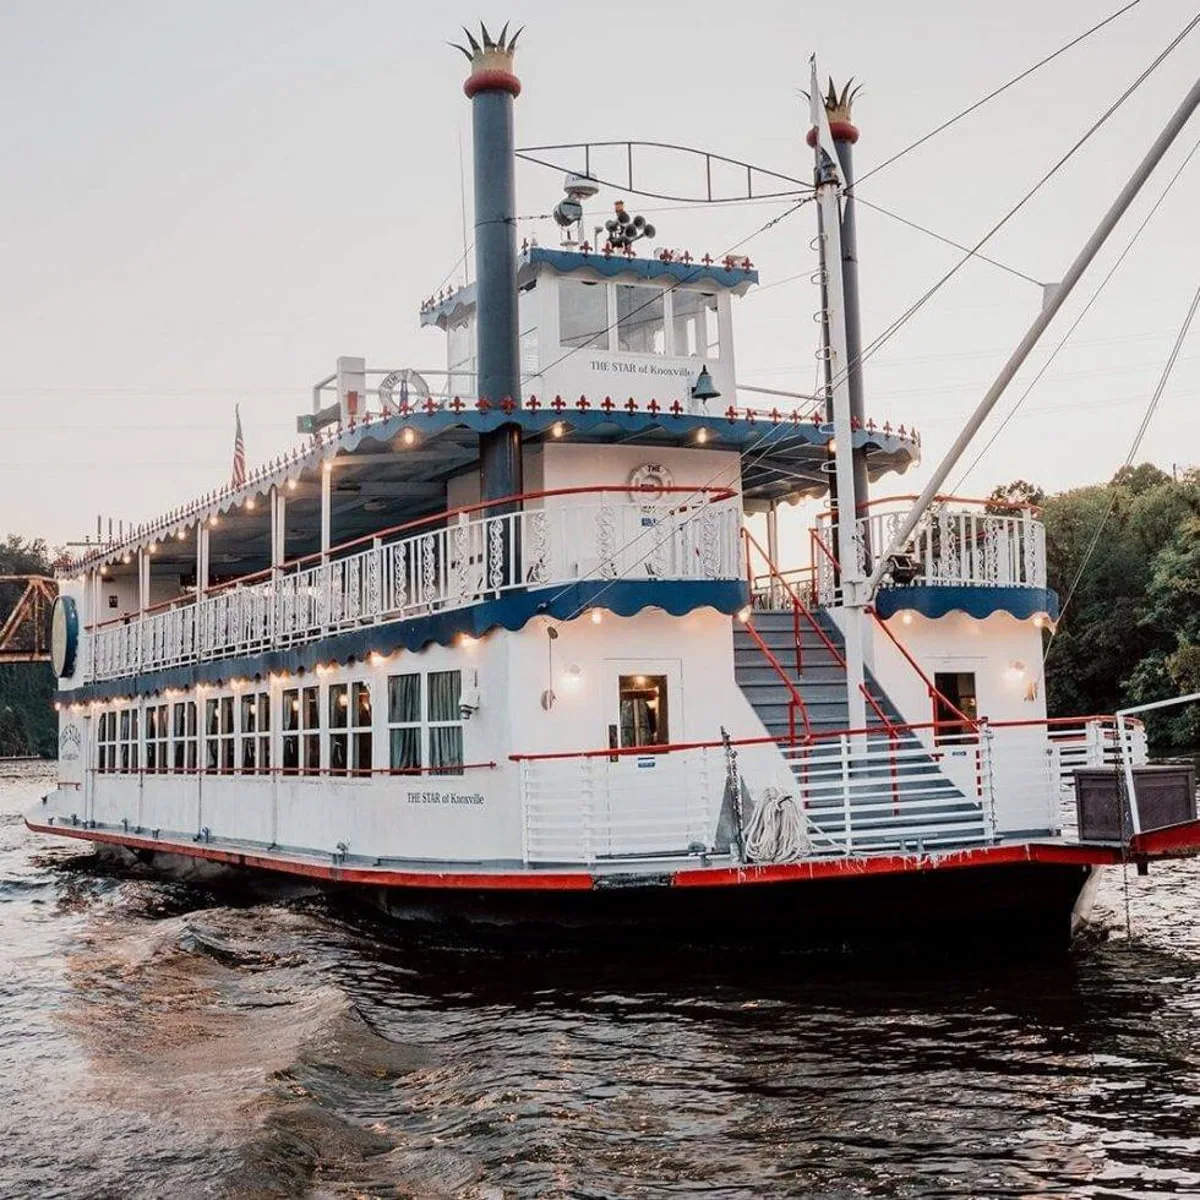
582,880
1176,841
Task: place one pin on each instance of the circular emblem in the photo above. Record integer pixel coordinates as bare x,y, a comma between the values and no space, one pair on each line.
648,482
64,636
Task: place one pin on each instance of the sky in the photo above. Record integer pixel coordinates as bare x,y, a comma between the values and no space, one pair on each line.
205,205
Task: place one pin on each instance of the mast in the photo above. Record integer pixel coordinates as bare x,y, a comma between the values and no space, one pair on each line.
845,135
828,185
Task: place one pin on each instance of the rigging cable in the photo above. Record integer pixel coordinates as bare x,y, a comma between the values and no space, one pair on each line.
1002,88
900,321
1133,449
1012,412
909,313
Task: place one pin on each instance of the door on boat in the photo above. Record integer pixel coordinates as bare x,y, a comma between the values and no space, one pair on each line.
639,807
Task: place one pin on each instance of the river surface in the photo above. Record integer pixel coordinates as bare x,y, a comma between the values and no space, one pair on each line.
165,1040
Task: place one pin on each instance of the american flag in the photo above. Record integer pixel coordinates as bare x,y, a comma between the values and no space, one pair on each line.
239,451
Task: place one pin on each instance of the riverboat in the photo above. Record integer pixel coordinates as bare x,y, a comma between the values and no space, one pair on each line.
508,646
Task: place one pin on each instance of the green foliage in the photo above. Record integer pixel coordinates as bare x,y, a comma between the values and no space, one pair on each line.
1130,633
28,724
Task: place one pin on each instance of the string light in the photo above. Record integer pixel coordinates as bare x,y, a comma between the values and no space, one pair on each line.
409,435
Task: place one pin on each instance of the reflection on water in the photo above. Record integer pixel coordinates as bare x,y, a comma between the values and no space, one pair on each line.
157,1039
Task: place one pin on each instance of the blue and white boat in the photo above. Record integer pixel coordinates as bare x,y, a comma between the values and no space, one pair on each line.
501,640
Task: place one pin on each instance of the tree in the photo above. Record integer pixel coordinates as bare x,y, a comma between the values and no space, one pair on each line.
1125,560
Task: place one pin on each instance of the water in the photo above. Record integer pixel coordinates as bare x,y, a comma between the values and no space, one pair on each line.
159,1040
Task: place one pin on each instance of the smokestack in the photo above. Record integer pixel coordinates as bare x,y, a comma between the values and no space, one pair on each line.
492,87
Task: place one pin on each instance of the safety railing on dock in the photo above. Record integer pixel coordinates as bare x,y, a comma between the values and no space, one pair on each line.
443,563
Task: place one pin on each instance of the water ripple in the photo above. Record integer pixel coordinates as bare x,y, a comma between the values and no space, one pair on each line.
166,1039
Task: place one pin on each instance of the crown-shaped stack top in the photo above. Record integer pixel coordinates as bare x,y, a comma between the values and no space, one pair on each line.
837,106
491,61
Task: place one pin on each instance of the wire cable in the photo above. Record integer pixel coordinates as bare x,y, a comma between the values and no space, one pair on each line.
1151,408
966,112
913,309
1012,412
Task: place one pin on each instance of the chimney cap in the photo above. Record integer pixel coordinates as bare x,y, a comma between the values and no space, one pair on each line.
491,61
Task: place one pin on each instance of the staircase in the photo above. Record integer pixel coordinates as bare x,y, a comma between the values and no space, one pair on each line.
892,794
821,681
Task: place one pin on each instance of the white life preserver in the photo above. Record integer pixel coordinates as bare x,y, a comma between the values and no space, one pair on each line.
653,476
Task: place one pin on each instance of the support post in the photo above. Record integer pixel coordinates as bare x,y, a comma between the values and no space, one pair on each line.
201,559
278,531
326,509
828,195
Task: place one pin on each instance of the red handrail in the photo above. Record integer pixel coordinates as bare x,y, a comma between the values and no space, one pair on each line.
797,701
815,736
802,608
934,694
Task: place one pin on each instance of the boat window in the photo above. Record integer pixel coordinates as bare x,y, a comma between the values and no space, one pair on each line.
106,742
643,710
310,712
219,734
300,744
694,325
157,737
641,327
339,720
129,740
360,728
404,722
184,745
256,733
957,687
249,739
582,314
445,723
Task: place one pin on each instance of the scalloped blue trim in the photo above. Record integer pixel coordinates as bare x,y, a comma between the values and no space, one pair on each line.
511,611
978,602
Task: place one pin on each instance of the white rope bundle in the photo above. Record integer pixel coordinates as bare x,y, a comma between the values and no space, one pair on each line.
775,832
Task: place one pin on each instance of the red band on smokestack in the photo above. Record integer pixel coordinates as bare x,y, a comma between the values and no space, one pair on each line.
492,81
842,131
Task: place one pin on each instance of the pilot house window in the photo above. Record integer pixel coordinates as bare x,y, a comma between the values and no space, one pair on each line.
582,314
641,326
694,325
643,710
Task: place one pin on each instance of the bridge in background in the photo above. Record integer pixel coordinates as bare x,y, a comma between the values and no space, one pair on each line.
25,603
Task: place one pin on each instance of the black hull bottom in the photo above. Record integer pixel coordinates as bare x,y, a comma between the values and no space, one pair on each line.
1021,909
1027,908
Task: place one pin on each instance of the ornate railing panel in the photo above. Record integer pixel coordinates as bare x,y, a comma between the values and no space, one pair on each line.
463,562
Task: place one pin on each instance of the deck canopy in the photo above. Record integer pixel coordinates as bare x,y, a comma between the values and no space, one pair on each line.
387,472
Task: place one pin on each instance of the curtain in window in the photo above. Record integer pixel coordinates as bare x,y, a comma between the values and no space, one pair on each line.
445,748
444,689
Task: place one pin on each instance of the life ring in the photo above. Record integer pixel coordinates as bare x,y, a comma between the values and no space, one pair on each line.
649,482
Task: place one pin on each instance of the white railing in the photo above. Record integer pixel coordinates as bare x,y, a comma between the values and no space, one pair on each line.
594,807
951,547
858,793
455,565
1094,742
